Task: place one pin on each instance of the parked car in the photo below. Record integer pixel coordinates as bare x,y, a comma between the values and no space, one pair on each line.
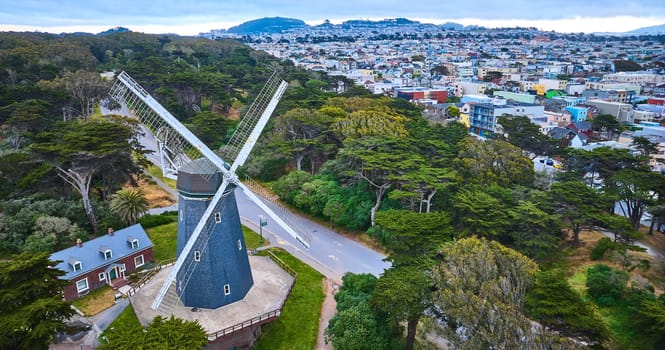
549,162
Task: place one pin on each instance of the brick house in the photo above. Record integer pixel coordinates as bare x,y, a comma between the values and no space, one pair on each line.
105,260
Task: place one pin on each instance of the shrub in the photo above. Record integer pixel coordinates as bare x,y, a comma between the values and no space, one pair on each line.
148,221
602,246
605,284
553,302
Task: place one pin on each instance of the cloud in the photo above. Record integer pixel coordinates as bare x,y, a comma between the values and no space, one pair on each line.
182,13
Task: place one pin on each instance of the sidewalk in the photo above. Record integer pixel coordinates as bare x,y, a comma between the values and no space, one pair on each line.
99,323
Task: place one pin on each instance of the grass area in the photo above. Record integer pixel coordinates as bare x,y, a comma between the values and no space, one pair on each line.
126,319
157,172
252,239
157,197
298,325
165,240
96,301
578,280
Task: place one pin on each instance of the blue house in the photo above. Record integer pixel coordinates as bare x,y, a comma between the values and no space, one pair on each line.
578,114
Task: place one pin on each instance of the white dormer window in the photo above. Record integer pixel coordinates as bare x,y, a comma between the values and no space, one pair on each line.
106,251
135,243
218,217
77,266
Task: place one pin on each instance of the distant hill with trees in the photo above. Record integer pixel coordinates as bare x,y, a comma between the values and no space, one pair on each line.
267,25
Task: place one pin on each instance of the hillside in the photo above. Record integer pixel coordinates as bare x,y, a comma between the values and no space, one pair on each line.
651,30
267,25
657,29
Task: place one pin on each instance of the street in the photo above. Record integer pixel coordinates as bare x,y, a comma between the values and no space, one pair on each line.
336,253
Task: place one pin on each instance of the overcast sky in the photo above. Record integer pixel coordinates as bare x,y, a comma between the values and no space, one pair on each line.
188,17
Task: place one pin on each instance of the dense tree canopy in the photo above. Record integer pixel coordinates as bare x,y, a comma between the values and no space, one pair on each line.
480,289
31,306
161,333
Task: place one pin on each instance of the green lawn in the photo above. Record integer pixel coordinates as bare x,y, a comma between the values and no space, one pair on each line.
165,240
252,239
126,319
157,172
578,280
298,325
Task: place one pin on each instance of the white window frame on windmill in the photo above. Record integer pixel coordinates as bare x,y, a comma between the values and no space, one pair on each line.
227,289
197,255
218,217
239,245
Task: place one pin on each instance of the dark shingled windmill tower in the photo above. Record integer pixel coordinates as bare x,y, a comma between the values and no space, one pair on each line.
212,269
222,273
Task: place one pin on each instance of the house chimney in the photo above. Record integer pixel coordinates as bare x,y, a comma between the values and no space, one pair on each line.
79,242
110,231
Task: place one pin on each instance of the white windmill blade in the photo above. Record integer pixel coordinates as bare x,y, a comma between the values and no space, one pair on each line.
169,119
272,214
258,128
205,218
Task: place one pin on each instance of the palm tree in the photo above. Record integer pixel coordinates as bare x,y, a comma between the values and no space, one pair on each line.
129,205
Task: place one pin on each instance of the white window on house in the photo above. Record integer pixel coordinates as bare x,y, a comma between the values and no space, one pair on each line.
82,285
108,254
77,266
135,244
102,277
227,289
197,255
138,261
218,217
239,245
122,268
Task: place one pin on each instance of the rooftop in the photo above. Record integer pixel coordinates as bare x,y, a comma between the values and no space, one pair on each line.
91,253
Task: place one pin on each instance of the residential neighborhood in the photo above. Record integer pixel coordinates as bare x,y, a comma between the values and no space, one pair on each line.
558,80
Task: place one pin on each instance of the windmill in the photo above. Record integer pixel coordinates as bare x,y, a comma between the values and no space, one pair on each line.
212,268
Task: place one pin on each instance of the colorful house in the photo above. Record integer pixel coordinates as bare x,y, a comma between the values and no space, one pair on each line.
105,260
577,113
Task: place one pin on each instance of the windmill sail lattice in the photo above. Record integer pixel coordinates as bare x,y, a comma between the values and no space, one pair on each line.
183,150
272,91
177,144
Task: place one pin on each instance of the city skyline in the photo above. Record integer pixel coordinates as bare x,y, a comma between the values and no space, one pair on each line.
171,16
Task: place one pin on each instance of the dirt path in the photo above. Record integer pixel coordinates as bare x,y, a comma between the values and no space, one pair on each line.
328,310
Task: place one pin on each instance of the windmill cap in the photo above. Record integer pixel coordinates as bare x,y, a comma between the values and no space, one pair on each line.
199,177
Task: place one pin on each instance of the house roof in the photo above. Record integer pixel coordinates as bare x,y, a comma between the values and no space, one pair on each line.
91,255
558,133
